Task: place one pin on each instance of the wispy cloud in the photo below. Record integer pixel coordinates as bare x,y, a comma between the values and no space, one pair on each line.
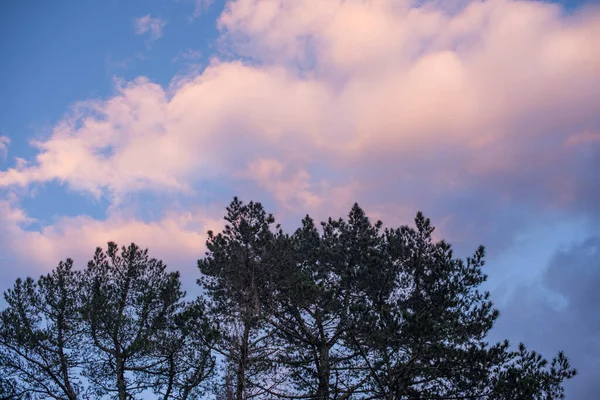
188,55
201,6
4,142
153,25
582,138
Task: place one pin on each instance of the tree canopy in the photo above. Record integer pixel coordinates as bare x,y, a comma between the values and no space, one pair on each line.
342,310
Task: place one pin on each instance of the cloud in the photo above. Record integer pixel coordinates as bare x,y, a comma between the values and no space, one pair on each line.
4,142
145,24
289,190
188,55
201,6
179,235
476,113
582,138
561,312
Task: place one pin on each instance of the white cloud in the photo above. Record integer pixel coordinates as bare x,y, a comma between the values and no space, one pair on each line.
402,81
387,102
4,142
150,24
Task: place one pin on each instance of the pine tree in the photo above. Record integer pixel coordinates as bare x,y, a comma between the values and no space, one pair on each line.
236,273
348,311
188,365
420,327
141,335
39,337
316,289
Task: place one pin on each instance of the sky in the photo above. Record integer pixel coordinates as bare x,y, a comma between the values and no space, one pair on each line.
139,121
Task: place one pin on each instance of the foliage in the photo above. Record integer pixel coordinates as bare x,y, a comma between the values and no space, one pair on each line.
236,277
349,310
118,329
39,346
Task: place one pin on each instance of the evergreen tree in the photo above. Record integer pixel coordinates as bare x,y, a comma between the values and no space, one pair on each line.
141,335
316,289
39,337
187,362
236,276
420,326
348,311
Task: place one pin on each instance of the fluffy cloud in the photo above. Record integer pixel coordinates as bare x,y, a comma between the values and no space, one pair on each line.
268,173
180,234
150,24
483,114
479,113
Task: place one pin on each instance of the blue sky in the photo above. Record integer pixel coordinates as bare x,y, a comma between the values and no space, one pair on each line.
139,121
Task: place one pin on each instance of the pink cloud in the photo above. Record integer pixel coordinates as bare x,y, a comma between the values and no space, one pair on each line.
460,79
176,236
582,138
201,6
293,190
392,102
150,24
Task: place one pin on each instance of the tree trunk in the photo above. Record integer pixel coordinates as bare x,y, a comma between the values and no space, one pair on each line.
323,372
240,393
64,368
121,378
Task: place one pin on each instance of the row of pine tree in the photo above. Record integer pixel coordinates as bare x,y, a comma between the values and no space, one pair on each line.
344,310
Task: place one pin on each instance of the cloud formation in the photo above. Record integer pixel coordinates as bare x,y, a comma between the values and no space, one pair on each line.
150,24
566,303
4,142
492,95
180,233
483,114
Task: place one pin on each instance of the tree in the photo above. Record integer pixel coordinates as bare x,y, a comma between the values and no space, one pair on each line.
236,276
348,311
390,314
420,325
39,337
185,348
315,291
118,329
141,335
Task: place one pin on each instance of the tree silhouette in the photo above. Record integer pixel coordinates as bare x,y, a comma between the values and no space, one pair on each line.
349,310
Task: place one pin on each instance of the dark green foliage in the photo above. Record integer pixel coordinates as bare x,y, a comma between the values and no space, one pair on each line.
527,375
316,293
127,298
420,326
184,350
